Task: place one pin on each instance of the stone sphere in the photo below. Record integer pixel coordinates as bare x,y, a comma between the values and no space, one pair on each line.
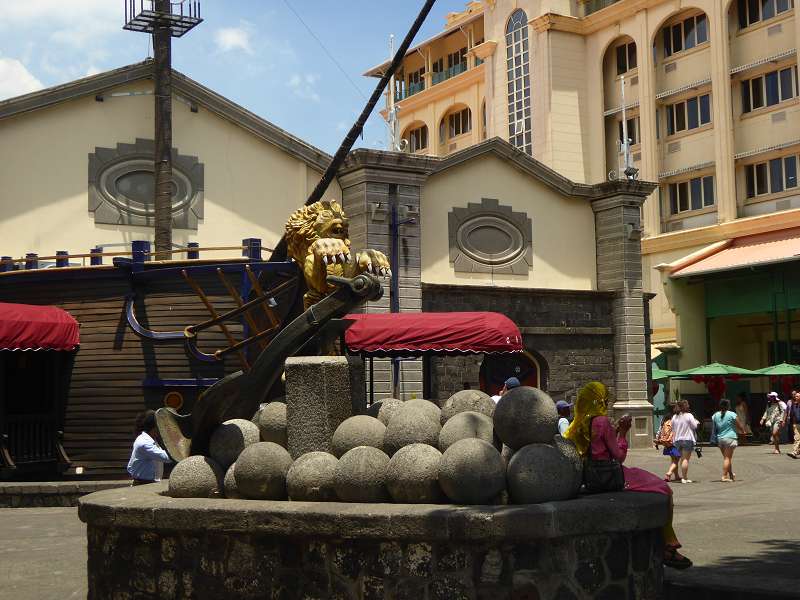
567,448
413,475
540,473
463,400
196,477
361,475
230,439
472,472
525,415
361,430
231,491
428,407
311,478
260,471
383,410
271,422
411,425
467,424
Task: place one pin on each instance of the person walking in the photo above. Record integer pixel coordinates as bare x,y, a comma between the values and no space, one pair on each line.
146,464
563,408
772,419
664,438
794,418
684,435
596,437
725,430
509,384
743,413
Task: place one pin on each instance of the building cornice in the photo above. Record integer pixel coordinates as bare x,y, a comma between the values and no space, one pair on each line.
185,87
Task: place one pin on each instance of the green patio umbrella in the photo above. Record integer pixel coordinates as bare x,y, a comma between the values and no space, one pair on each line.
659,373
782,369
716,369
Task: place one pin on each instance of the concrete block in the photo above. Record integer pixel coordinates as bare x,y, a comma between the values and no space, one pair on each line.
319,396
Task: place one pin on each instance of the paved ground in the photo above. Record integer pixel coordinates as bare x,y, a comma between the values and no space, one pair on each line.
739,535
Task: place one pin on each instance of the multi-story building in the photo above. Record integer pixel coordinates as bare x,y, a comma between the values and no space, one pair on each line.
711,110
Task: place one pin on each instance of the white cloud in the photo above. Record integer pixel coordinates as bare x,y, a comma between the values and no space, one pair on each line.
15,79
92,70
228,39
303,86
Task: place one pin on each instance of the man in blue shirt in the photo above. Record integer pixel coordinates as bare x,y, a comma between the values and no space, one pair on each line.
147,459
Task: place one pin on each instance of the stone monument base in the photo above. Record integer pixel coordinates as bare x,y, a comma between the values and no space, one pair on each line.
143,545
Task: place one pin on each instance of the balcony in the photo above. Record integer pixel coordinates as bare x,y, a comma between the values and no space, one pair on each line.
456,69
592,6
412,89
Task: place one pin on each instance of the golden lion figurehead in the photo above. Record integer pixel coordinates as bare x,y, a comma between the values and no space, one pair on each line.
323,219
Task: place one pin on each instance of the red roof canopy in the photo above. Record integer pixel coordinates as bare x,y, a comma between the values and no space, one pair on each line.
27,327
417,333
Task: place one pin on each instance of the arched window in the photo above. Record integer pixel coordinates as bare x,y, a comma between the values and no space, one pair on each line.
417,138
519,81
455,123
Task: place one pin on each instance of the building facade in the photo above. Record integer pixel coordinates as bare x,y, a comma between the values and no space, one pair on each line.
711,109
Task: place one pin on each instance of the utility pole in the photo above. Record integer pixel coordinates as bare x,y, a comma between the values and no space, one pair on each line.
158,18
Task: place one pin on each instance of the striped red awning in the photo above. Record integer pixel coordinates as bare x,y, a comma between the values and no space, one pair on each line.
28,327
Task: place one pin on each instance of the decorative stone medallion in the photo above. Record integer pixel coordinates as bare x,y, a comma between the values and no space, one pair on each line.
490,238
121,186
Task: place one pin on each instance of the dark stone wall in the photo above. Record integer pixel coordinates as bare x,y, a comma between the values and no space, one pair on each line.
127,563
569,332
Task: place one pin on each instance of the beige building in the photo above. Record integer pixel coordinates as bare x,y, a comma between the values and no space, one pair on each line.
711,109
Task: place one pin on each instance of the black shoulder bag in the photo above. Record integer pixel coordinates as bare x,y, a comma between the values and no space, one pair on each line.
602,475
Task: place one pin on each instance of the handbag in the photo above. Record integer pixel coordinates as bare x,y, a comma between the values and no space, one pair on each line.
602,475
664,437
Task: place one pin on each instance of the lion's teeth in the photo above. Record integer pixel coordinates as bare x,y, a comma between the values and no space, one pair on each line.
325,259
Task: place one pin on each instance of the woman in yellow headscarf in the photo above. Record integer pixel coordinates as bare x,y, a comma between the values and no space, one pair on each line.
593,432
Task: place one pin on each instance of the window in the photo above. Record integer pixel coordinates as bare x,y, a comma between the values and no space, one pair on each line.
459,122
437,66
456,58
772,176
626,57
753,11
416,80
633,130
519,82
769,89
418,138
689,114
694,194
685,35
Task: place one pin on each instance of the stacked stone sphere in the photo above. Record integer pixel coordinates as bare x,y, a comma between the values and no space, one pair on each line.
404,452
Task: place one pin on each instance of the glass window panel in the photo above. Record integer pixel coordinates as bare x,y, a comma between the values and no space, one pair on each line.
701,29
667,41
693,116
708,190
670,120
750,180
757,92
705,109
680,116
622,60
782,6
786,84
673,198
753,11
683,195
696,188
746,96
677,38
631,56
790,170
776,175
761,179
767,9
771,83
741,10
689,40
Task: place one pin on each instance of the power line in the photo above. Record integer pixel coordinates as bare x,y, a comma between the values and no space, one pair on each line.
319,41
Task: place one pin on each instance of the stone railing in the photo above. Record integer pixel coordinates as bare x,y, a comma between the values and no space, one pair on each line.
144,544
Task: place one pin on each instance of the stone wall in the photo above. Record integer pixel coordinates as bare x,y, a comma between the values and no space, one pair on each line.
23,494
143,545
569,332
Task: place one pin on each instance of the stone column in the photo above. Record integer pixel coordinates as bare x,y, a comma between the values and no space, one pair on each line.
366,180
722,116
617,210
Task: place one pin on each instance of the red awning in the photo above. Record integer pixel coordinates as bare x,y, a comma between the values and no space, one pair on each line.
418,333
28,327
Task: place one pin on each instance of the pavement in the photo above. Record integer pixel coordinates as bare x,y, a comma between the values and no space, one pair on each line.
741,536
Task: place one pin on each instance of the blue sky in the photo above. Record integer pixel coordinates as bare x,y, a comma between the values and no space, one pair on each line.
256,53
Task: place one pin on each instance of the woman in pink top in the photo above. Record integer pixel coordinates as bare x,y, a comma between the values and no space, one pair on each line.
592,431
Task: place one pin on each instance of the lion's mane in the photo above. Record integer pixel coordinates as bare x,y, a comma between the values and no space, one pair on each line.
303,227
